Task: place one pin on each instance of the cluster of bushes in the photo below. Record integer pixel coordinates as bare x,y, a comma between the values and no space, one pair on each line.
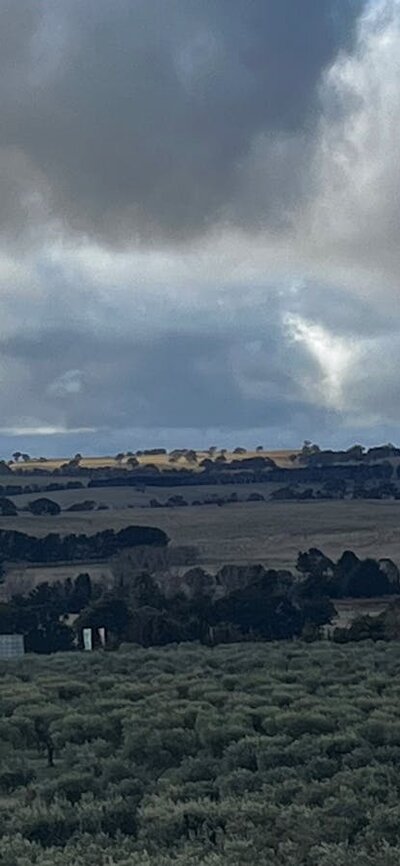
84,505
384,626
260,605
237,756
238,603
331,489
7,507
22,489
41,616
349,577
292,493
337,489
40,506
18,546
356,454
384,490
368,472
329,478
249,464
148,452
178,501
46,507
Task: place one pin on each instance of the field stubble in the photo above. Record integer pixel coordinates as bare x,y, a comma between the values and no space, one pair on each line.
267,532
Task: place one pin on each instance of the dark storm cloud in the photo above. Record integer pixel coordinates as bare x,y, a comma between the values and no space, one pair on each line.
236,378
156,122
74,378
127,121
344,314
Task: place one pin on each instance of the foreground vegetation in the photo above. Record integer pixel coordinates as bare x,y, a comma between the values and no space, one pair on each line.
286,754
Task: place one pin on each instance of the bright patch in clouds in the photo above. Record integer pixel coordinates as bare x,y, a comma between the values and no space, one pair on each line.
205,239
43,430
70,382
334,356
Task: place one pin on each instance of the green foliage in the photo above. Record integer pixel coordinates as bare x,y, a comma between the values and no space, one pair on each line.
281,753
18,546
348,577
15,776
238,603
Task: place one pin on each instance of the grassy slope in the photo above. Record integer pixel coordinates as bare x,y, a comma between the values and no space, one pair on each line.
272,533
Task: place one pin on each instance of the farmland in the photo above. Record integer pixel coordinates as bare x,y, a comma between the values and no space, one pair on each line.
233,516
162,461
191,753
267,532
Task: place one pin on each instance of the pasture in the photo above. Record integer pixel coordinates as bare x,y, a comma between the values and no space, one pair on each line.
268,532
129,496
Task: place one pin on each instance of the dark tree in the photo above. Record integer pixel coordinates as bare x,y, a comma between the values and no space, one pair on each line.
7,618
110,612
81,593
44,506
314,562
143,591
7,507
191,456
49,636
368,580
44,739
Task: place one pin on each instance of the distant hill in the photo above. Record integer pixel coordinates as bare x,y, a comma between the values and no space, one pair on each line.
176,458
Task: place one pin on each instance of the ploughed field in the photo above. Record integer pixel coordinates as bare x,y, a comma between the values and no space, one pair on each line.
267,532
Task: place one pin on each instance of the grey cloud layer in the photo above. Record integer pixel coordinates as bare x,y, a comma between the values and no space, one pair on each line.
129,121
200,219
236,375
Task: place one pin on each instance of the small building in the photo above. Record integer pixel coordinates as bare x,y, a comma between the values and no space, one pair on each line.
12,646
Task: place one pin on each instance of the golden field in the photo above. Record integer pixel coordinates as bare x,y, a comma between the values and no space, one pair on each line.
281,458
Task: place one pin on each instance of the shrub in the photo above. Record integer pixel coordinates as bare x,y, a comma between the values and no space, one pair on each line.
44,506
15,777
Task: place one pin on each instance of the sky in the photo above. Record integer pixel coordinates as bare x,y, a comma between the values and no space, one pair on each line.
199,224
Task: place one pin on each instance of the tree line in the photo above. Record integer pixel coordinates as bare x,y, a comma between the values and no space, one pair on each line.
19,546
238,603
